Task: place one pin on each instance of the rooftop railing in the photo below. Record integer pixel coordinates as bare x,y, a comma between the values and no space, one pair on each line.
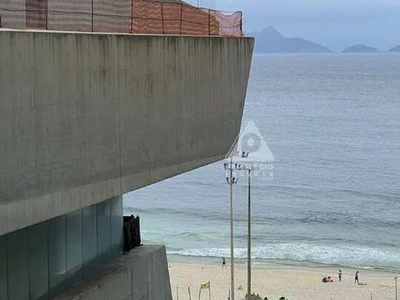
119,16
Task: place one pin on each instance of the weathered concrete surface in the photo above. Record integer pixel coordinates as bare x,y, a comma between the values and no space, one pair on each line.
141,274
86,117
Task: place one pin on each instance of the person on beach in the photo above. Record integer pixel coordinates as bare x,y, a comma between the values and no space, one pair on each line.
356,278
340,275
223,262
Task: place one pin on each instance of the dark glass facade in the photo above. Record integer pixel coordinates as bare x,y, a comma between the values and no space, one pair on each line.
39,262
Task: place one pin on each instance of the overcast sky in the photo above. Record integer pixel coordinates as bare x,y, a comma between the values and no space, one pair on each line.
333,23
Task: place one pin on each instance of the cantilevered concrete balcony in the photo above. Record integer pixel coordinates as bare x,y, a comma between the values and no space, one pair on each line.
86,117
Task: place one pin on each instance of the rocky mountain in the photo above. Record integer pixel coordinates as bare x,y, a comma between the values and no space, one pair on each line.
360,49
269,40
395,49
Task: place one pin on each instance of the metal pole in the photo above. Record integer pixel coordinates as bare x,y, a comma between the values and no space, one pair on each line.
47,15
162,18
131,28
249,237
209,22
180,24
232,248
92,15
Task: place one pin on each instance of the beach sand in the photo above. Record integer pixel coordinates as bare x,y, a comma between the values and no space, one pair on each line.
274,281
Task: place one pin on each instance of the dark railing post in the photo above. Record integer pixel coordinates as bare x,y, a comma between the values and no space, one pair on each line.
241,24
162,17
131,29
138,239
209,22
180,27
92,15
47,15
132,237
1,23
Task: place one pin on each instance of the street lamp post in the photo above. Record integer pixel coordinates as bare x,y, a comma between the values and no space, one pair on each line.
249,236
231,180
248,167
251,153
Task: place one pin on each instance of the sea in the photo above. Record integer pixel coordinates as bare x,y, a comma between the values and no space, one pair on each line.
332,122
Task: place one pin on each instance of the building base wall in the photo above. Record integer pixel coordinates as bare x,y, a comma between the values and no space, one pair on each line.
140,274
43,260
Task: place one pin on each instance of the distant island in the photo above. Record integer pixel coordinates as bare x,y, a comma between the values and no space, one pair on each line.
360,49
269,40
395,49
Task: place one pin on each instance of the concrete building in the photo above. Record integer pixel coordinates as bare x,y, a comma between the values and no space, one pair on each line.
85,118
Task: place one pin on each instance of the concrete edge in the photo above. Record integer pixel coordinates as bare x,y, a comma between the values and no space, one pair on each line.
26,212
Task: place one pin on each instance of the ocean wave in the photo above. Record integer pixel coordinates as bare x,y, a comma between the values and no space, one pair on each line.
162,211
315,217
350,256
387,196
314,192
354,219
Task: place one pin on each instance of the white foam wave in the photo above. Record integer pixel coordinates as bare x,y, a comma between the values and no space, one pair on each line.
354,256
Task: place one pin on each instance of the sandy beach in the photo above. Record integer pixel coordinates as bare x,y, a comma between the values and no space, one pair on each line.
274,281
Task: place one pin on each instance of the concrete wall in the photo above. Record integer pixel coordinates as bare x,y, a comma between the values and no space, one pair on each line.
86,117
140,275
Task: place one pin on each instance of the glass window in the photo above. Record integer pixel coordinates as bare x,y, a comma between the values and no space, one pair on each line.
18,268
41,261
89,230
57,255
103,230
74,246
3,267
38,262
116,225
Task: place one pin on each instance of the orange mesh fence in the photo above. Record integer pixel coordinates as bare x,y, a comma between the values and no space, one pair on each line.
227,25
171,18
123,16
147,17
177,18
13,14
